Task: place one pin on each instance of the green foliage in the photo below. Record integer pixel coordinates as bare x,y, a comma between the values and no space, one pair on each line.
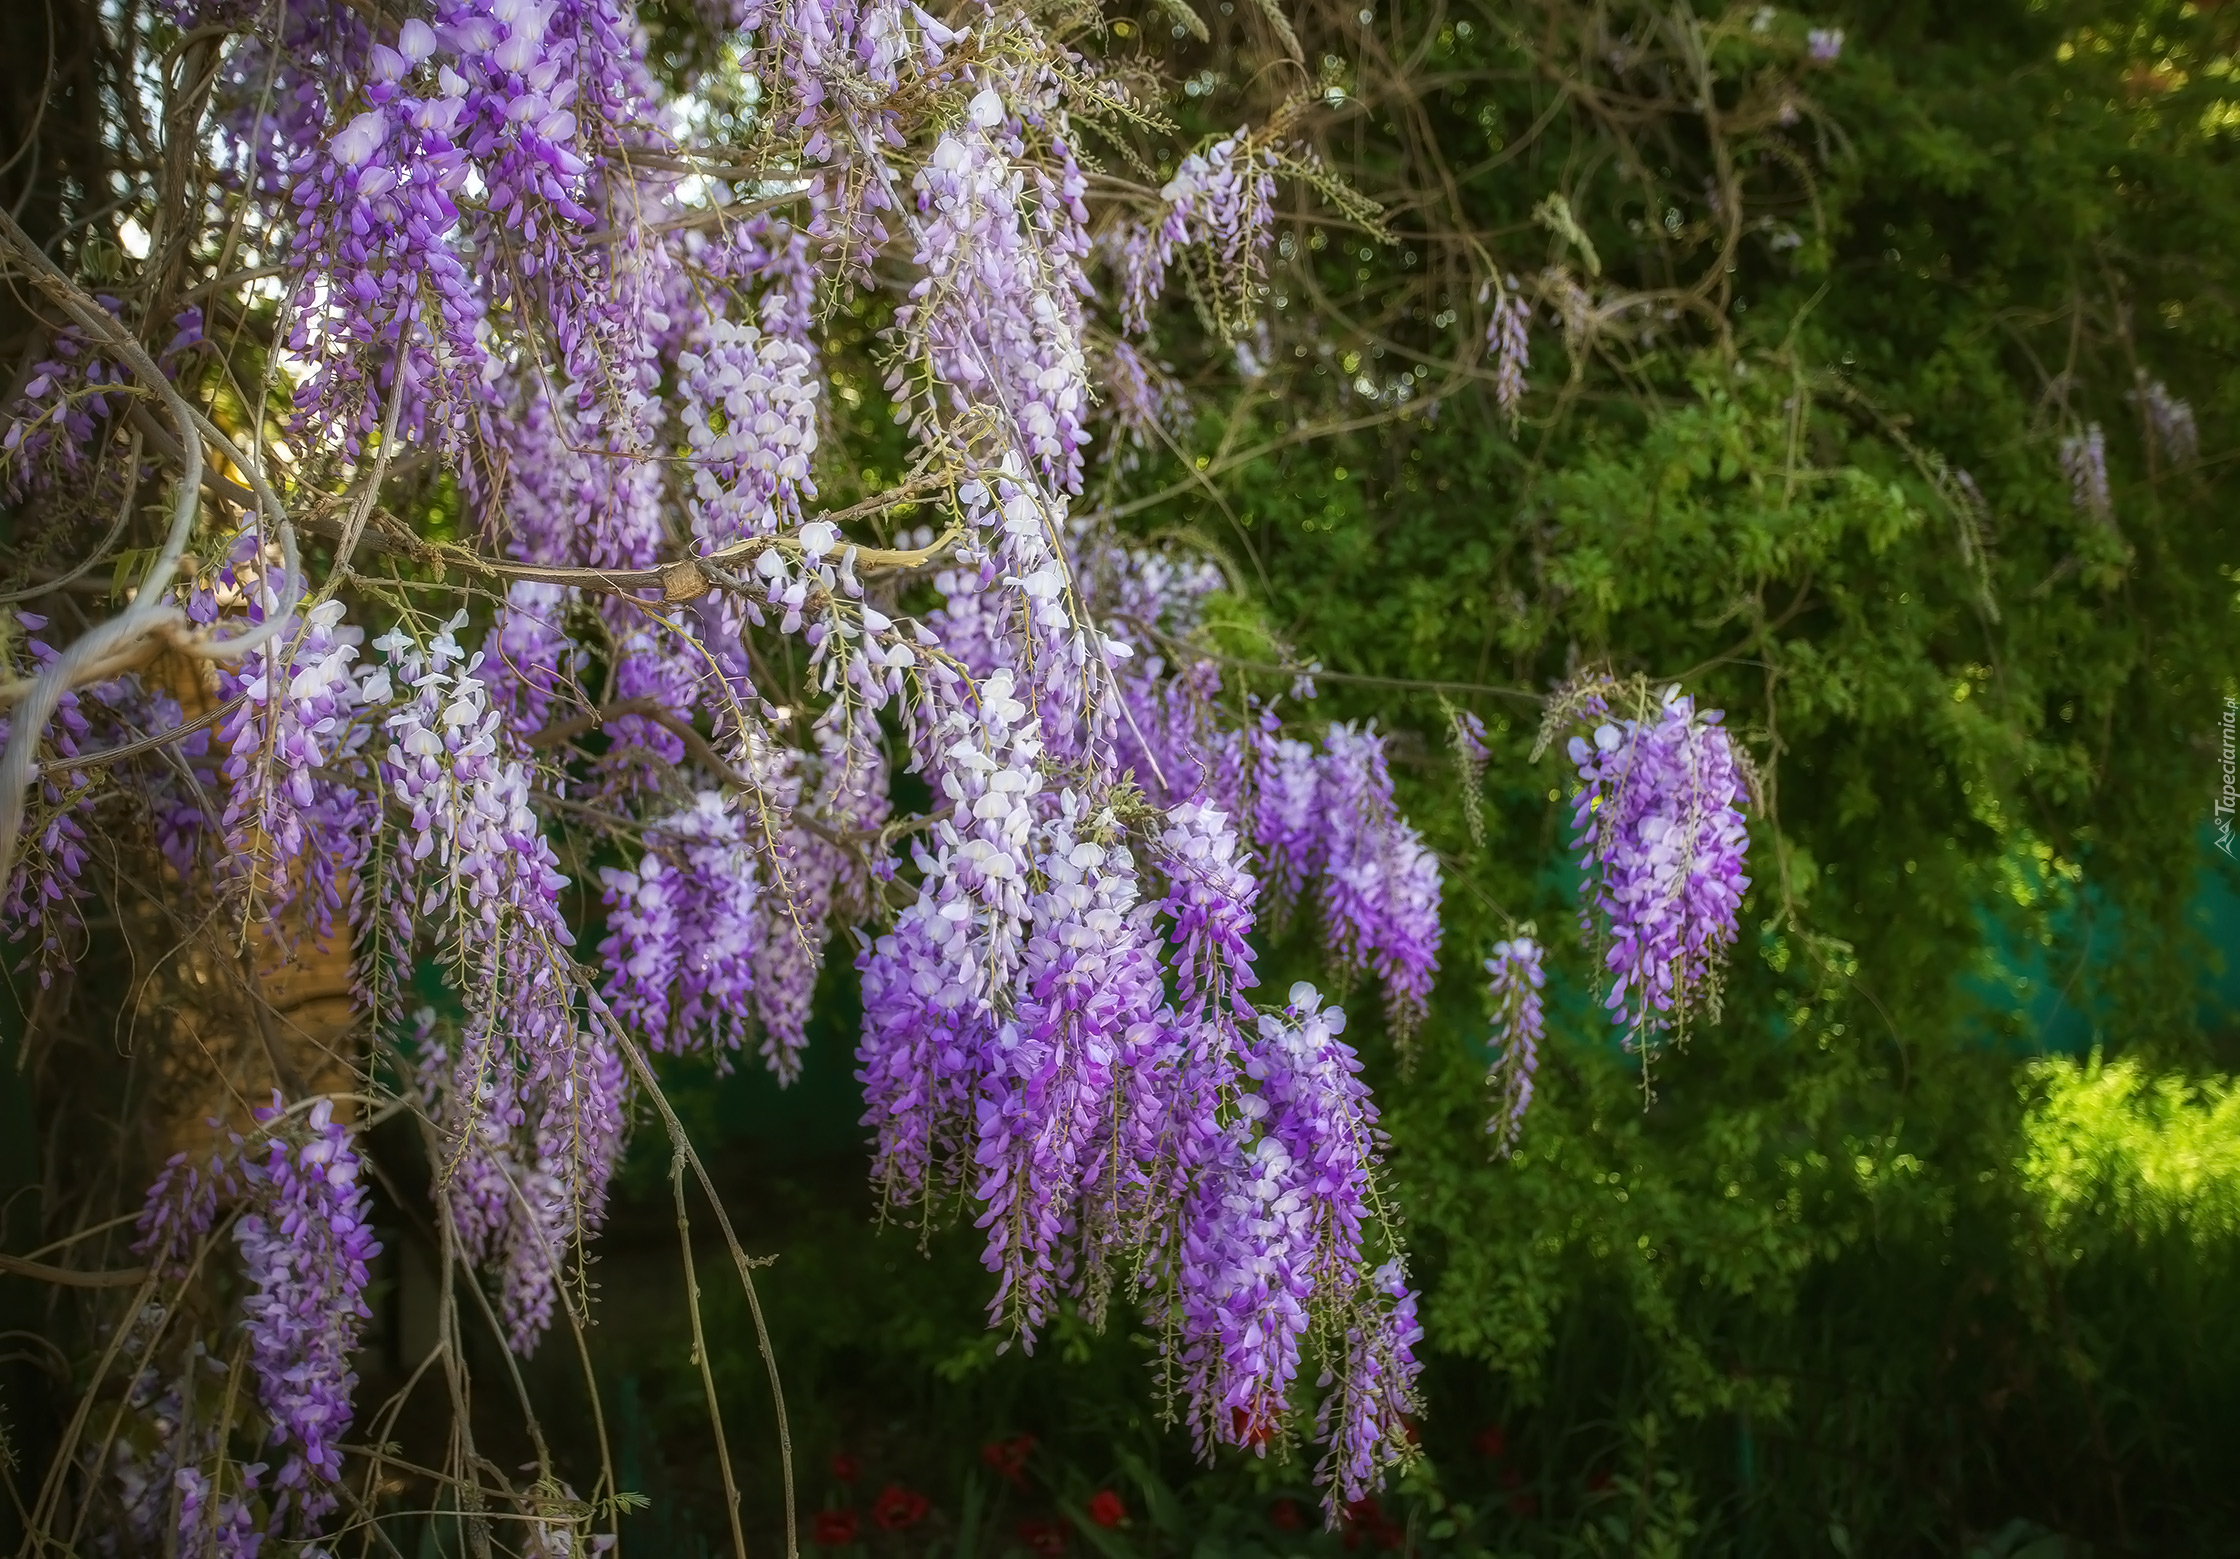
2114,1153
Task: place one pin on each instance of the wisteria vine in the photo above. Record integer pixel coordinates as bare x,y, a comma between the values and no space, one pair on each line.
492,263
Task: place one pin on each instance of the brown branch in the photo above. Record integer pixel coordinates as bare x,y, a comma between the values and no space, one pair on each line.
107,755
73,1277
699,746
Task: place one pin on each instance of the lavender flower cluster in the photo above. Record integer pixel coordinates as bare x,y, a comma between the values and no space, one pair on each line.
304,1248
2084,461
1658,824
488,257
1218,218
1508,337
1516,979
305,1244
2170,420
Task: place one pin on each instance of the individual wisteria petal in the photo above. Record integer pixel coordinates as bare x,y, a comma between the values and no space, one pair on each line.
1516,979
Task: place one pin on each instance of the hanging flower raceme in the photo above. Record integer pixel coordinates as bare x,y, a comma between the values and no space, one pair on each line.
842,63
2170,418
818,860
997,315
52,426
750,418
376,234
179,1209
1145,405
684,928
1380,886
529,661
2084,461
1047,1090
477,868
1280,1236
304,1246
1508,337
1516,978
1659,827
1325,822
1219,220
300,808
47,884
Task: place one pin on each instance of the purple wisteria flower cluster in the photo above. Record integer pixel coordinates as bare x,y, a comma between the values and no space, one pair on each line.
1509,339
1218,222
2084,461
1658,824
1322,818
2170,420
46,885
503,278
300,1224
52,425
294,729
304,1248
1515,980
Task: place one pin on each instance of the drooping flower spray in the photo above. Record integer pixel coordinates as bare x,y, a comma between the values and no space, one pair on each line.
1659,828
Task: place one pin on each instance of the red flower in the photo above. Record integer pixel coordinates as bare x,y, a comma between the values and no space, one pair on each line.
834,1527
1285,1516
1043,1537
1599,1481
1524,1504
1490,1441
1365,1518
1250,1430
897,1508
1009,1458
845,1467
1105,1508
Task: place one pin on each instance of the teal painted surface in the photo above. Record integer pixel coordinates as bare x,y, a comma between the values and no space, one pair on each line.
2039,993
